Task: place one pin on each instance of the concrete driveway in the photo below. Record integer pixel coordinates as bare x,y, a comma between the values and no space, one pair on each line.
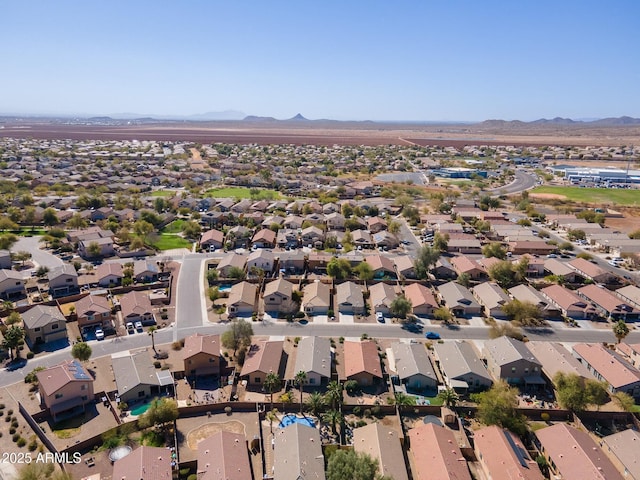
39,257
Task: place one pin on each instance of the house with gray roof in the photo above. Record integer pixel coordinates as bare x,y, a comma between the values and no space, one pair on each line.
44,324
526,293
145,272
630,294
382,444
11,284
459,299
5,259
224,456
556,358
298,453
492,298
242,299
136,377
412,366
461,366
622,449
512,361
278,296
349,298
63,280
381,295
230,261
313,357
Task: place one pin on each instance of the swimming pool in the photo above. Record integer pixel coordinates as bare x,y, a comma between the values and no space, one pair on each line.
224,287
140,409
291,419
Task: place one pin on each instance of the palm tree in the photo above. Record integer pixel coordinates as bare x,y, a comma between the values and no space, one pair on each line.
271,384
620,330
271,416
300,379
449,397
315,403
401,399
152,331
333,417
334,394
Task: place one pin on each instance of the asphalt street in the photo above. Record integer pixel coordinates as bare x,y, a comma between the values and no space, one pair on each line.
522,181
40,258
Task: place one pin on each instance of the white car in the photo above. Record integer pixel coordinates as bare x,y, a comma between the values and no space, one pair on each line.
138,325
130,328
99,334
379,317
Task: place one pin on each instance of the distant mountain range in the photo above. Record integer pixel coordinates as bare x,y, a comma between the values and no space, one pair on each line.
559,121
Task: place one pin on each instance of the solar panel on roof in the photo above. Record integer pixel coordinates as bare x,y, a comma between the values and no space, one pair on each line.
77,371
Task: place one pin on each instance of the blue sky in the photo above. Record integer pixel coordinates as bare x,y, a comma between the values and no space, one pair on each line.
379,60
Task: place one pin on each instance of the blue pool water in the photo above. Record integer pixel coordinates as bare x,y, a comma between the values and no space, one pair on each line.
290,419
224,288
140,409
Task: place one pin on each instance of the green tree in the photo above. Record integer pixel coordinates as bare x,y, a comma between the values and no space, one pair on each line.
237,335
7,241
339,268
333,417
300,379
13,318
464,279
620,330
315,403
393,227
575,393
351,465
441,242
137,243
503,274
76,221
50,218
497,406
494,249
191,230
152,333
364,271
400,307
41,471
443,314
334,394
94,249
21,257
143,228
161,411
624,401
523,313
271,384
236,273
7,224
13,337
427,258
449,397
401,399
81,351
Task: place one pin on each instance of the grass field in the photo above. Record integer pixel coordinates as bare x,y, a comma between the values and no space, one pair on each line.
242,192
174,227
602,196
169,242
163,193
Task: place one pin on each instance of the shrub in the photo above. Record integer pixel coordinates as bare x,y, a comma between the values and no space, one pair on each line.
357,411
21,442
0,434
12,431
30,355
33,445
10,412
341,339
176,346
193,476
227,410
367,412
14,424
361,423
545,416
7,419
184,472
157,364
15,437
1,406
376,411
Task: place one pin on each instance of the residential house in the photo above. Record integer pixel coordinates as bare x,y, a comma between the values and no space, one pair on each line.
314,359
362,239
404,266
382,444
502,455
436,454
532,247
461,366
317,262
261,260
278,296
411,365
510,359
492,298
349,298
201,355
264,238
528,294
459,299
422,300
105,247
44,324
362,363
136,307
465,265
555,359
287,238
293,222
570,304
229,262
376,224
298,453
591,271
145,272
212,239
631,352
561,270
94,311
381,296
144,463
385,240
335,221
535,266
622,450
11,284
109,274
444,270
382,266
224,456
609,366
316,298
607,304
263,357
65,389
630,294
242,299
466,245
293,262
572,453
136,377
312,236
63,280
